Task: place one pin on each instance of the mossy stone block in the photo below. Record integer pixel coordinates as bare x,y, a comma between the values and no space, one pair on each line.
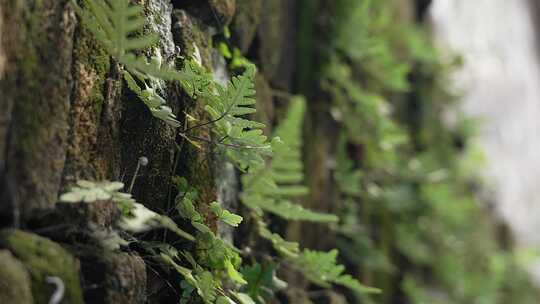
14,280
245,23
44,258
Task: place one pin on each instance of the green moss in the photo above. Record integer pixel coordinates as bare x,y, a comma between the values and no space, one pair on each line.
96,64
43,258
14,280
28,118
38,85
27,108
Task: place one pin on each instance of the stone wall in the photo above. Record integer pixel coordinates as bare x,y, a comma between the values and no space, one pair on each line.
67,116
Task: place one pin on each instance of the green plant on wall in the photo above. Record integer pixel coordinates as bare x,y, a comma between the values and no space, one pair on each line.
413,208
211,271
406,220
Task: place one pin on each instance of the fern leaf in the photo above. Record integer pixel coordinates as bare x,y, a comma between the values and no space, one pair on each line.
322,269
228,108
292,211
115,24
271,188
154,102
190,80
203,281
226,216
285,248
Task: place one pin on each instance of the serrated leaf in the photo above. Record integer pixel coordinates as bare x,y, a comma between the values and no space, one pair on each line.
271,188
225,300
234,274
226,216
244,298
322,269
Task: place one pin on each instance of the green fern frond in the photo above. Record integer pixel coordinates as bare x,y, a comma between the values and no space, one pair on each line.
155,103
285,248
244,138
117,25
271,188
322,269
226,216
203,281
186,77
114,22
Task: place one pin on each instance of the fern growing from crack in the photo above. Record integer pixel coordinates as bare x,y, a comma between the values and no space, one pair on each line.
115,24
227,109
271,188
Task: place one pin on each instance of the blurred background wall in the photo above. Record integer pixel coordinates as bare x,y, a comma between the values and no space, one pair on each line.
500,80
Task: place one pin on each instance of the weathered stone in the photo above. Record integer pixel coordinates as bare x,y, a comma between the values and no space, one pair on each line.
92,150
276,48
217,13
37,44
113,277
223,9
101,213
5,104
192,37
265,103
245,23
44,258
270,38
128,273
14,280
143,135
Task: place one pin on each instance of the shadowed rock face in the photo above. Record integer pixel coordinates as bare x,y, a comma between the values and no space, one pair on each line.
501,78
35,103
43,259
66,116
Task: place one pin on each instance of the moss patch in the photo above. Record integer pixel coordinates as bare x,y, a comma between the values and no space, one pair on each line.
38,51
90,70
42,258
14,280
